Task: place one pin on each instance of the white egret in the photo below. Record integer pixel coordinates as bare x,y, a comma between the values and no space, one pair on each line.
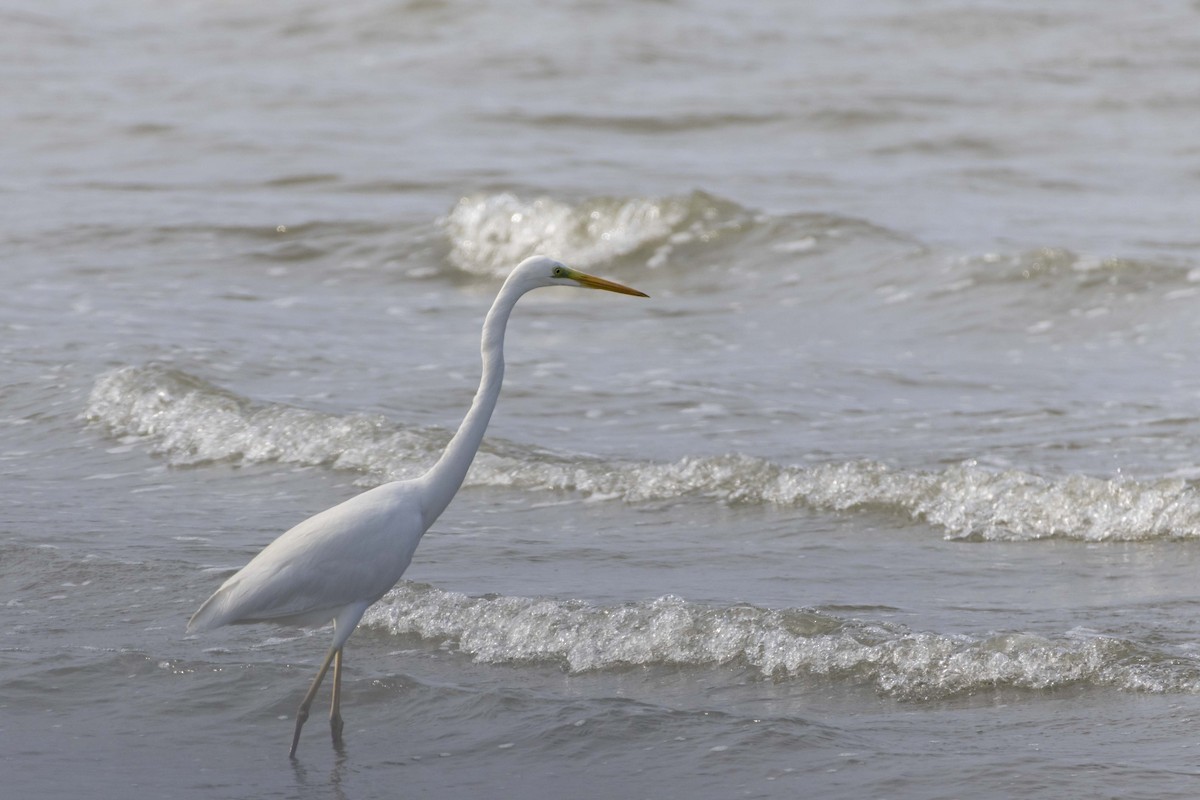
335,564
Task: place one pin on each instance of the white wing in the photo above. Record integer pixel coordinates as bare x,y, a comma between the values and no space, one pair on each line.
346,555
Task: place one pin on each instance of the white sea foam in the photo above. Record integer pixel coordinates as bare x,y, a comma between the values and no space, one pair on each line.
489,233
779,644
189,421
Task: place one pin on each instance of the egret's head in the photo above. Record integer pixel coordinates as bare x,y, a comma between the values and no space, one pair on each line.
542,271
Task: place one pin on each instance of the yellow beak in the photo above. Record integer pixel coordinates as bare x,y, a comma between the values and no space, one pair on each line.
592,282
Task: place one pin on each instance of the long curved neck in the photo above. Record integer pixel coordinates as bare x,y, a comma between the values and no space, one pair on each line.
446,476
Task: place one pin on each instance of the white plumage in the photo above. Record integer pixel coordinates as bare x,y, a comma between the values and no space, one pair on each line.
335,564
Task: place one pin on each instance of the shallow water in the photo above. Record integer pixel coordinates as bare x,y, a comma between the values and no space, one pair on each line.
889,490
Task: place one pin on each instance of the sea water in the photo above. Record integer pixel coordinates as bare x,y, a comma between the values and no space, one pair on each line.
888,490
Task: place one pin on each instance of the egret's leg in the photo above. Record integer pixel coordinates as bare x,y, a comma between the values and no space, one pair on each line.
335,708
302,714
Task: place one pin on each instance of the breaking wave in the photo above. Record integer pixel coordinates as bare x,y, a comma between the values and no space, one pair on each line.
489,233
189,421
778,644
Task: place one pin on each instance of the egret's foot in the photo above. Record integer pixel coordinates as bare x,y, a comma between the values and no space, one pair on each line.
301,718
335,727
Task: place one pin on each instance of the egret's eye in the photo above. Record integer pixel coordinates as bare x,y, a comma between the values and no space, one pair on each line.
559,272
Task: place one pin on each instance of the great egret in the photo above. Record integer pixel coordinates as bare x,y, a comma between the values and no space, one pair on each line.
335,564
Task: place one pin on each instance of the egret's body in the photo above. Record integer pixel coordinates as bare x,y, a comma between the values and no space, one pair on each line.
335,564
